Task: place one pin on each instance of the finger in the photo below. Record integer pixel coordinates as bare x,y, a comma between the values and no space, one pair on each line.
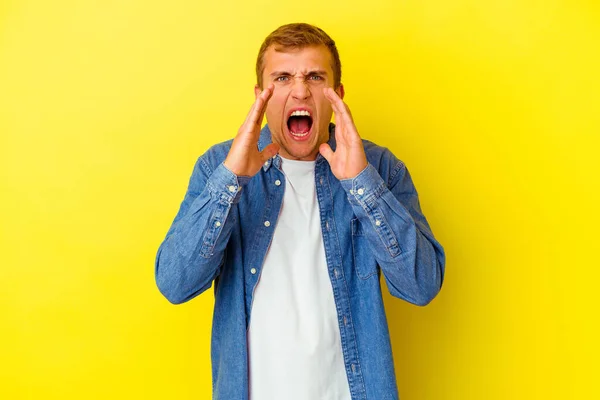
261,105
269,151
262,112
326,152
336,101
338,119
339,106
253,110
347,115
344,109
333,98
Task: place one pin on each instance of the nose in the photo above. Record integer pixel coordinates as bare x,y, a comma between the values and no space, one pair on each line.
300,89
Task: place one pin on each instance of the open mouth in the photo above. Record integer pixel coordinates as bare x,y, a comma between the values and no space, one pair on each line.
300,123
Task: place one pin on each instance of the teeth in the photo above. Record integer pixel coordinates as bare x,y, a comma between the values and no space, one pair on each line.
299,134
300,113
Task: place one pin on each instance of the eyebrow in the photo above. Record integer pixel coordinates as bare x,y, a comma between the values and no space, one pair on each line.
314,72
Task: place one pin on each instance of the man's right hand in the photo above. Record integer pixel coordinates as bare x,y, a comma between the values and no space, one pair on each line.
244,159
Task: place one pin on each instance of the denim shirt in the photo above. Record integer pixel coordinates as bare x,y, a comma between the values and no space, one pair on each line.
371,224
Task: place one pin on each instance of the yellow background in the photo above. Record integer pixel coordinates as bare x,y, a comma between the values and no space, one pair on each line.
105,105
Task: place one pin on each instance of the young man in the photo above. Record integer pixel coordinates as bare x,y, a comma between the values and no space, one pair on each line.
294,223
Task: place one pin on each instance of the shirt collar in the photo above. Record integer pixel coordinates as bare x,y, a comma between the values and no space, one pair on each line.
265,139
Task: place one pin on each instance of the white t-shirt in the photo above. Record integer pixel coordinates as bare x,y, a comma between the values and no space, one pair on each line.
295,351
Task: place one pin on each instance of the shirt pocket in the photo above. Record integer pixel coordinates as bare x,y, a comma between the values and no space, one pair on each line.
365,264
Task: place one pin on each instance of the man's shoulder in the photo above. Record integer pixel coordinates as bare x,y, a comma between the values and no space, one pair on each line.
216,154
380,156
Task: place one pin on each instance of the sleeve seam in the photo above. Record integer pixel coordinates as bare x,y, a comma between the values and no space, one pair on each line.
205,166
399,166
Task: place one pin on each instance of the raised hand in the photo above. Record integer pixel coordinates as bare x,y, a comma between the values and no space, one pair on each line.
243,158
349,158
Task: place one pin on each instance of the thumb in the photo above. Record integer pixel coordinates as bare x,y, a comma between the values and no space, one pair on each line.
326,152
269,151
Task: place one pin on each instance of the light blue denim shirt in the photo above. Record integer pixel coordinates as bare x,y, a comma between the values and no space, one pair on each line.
371,224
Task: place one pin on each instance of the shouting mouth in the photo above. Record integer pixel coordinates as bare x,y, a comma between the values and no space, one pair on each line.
299,124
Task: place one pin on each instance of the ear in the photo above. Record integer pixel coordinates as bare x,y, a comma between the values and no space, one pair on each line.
340,91
257,91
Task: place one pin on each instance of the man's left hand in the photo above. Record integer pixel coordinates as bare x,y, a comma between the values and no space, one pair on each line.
349,158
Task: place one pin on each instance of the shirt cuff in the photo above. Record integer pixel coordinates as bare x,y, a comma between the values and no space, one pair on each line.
225,185
366,187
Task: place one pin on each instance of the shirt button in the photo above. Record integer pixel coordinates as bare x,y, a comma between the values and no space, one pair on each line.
351,191
321,180
232,188
327,225
360,191
253,271
277,182
266,163
267,224
217,224
378,222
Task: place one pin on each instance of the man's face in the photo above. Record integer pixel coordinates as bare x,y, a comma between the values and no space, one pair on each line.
298,112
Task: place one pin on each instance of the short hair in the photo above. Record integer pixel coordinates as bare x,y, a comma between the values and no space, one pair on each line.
298,36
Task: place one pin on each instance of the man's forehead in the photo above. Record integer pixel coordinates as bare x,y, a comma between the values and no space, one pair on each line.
303,59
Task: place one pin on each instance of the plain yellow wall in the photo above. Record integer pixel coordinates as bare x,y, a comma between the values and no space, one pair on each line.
105,105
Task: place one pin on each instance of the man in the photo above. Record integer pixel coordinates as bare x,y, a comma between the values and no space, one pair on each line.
294,223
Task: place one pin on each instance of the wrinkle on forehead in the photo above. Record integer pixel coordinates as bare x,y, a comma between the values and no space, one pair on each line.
302,72
318,58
